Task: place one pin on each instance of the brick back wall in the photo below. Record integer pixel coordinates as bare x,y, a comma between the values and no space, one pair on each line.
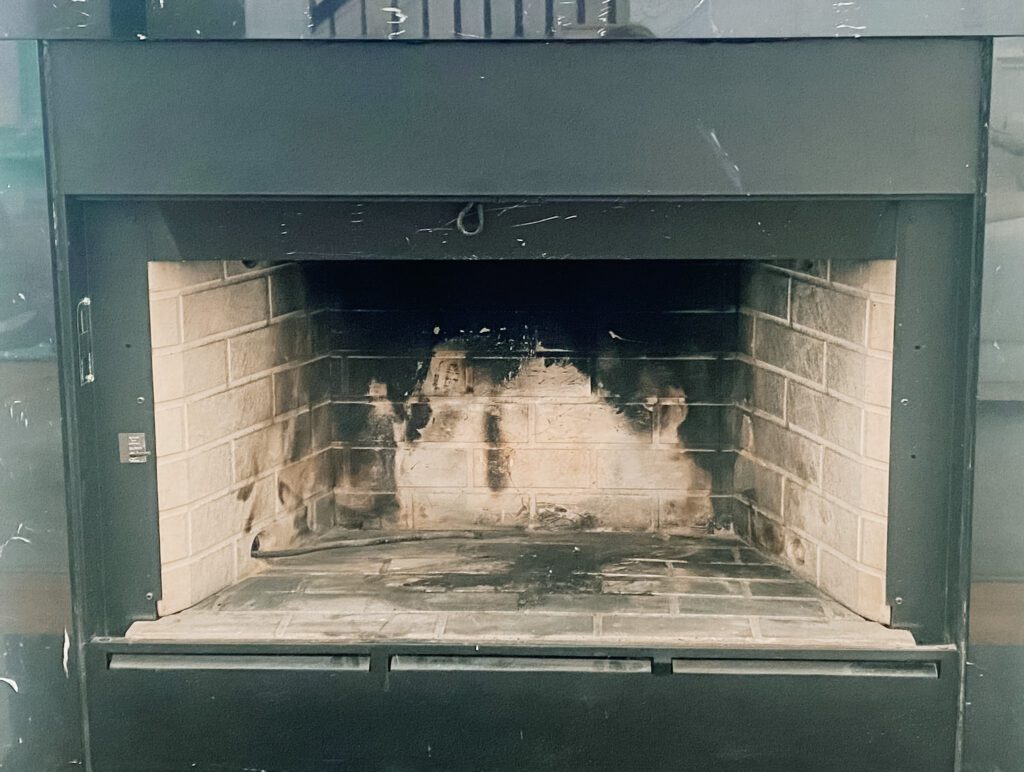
814,440
236,381
461,451
539,396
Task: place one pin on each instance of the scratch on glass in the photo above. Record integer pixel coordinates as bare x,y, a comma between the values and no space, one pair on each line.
19,535
536,222
731,169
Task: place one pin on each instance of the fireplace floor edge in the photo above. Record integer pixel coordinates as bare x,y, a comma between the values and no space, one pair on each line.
569,589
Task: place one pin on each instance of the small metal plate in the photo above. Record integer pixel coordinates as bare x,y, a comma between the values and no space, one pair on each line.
131,448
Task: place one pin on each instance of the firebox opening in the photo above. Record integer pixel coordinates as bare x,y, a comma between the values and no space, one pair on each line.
628,437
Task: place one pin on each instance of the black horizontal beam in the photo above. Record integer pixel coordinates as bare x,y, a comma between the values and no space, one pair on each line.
262,230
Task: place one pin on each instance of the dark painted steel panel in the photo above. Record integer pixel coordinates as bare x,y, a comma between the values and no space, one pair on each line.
798,117
934,337
483,719
120,514
744,229
994,725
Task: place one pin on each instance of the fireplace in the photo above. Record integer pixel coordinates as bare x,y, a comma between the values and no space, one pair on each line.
705,442
521,421
640,417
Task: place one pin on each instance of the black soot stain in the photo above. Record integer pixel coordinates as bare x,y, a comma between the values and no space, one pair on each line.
245,491
301,522
538,568
419,414
497,459
531,571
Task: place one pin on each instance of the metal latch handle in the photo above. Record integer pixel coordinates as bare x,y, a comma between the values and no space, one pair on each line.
85,361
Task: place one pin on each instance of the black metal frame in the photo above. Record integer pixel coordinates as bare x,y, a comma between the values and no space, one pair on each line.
931,239
101,97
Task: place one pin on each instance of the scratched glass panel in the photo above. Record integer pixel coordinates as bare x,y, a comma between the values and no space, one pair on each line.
995,664
39,725
504,19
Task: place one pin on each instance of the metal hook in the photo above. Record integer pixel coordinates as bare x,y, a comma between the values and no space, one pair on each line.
460,221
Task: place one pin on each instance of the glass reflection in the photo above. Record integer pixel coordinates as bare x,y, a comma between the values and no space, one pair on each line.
503,19
39,724
994,736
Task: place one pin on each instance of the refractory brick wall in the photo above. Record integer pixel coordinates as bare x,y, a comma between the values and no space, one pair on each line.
674,396
531,395
235,381
814,446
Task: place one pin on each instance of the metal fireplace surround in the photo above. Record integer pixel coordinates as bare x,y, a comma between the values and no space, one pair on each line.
850,149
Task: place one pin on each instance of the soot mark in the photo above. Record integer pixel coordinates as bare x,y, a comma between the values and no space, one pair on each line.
243,495
538,568
767,535
704,428
419,414
499,315
372,511
531,571
556,517
369,423
371,470
492,427
245,491
301,522
497,459
386,507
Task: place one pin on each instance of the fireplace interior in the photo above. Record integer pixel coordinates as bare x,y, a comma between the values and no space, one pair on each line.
601,451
